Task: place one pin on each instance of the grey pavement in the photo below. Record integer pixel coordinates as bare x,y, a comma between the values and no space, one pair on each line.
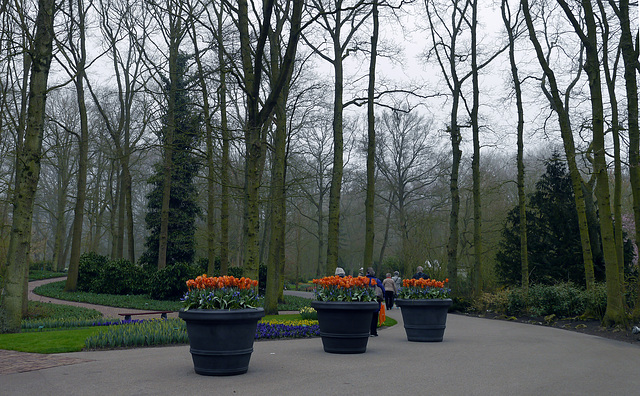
477,357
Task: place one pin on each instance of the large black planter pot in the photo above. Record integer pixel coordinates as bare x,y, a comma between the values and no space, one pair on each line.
344,326
221,340
424,320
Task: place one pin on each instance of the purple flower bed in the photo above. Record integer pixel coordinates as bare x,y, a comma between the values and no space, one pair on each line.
263,331
272,331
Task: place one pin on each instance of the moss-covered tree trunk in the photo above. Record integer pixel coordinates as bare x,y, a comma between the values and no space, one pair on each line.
259,112
630,60
610,80
28,170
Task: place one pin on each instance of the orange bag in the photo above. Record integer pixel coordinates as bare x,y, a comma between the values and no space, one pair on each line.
382,315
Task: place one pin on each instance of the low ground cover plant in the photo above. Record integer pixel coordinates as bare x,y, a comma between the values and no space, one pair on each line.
563,300
39,274
56,290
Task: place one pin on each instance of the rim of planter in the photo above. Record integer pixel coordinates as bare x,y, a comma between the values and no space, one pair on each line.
195,314
346,305
424,301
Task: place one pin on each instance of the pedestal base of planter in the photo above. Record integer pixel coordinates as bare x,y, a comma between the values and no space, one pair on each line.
221,341
344,326
424,320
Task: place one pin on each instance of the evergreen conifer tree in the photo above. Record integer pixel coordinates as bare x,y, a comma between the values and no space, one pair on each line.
183,207
555,253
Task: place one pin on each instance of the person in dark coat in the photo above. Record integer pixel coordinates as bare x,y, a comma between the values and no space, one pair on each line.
377,283
420,274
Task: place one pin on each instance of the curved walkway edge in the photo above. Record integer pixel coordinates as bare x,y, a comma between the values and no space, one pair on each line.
106,311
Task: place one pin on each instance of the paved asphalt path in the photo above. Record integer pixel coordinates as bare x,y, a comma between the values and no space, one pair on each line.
477,357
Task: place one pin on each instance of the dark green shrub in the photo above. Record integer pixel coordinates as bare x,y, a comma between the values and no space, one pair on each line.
516,302
490,302
460,304
201,266
120,277
235,271
89,270
170,283
563,300
596,300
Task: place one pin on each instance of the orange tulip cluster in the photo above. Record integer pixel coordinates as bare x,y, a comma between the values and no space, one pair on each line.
424,283
343,283
220,282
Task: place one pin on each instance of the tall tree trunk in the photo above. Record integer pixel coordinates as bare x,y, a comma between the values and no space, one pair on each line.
225,165
630,59
522,208
615,313
28,170
131,253
333,228
475,163
610,80
320,226
385,238
369,204
278,220
119,236
211,174
83,152
252,68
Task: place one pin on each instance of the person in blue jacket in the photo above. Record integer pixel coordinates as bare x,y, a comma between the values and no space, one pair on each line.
377,283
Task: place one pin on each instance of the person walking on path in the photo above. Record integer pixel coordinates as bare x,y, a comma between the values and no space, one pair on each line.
397,280
420,274
377,283
390,291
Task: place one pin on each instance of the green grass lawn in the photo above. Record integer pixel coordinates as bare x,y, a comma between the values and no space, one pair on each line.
59,341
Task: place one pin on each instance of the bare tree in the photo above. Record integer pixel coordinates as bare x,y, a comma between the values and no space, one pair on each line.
408,163
333,19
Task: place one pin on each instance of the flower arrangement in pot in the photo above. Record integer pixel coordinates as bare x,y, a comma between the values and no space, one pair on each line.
223,292
424,289
424,304
348,288
222,316
344,306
